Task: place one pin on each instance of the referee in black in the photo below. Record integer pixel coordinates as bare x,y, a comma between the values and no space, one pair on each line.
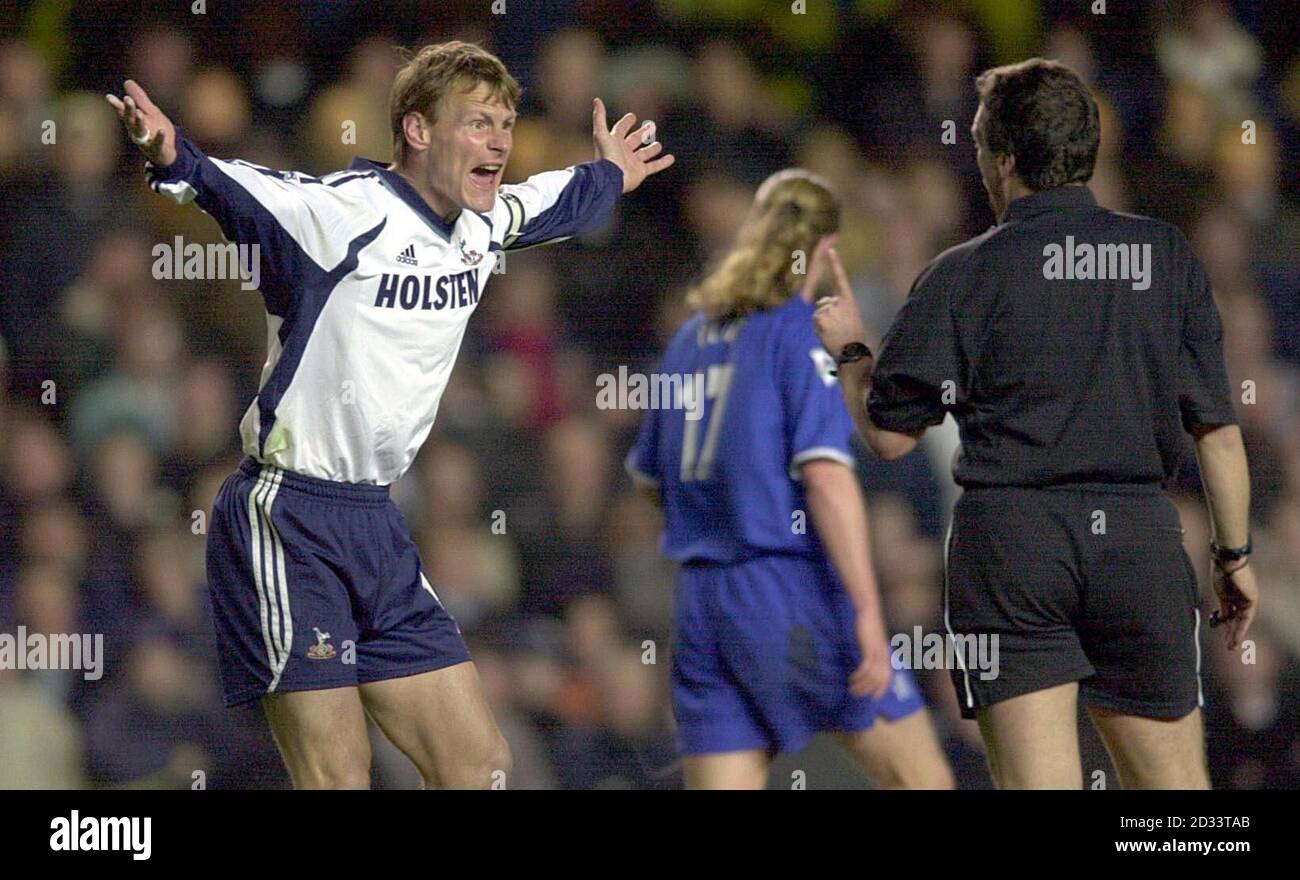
1076,347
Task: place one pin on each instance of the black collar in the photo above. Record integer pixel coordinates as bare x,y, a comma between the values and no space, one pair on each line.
398,184
1054,199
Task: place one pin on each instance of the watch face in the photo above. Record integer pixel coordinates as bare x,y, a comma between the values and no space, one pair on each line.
854,351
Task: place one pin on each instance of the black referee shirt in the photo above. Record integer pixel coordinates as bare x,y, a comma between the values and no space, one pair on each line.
1073,344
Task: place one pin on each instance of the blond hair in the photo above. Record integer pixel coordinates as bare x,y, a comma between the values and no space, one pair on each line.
792,211
435,71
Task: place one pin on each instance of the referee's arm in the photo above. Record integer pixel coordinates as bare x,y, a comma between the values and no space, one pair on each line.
855,380
1206,405
918,359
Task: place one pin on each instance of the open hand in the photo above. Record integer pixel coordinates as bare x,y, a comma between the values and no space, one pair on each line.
633,151
147,126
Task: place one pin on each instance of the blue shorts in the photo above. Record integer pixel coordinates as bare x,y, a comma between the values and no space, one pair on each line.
762,655
317,584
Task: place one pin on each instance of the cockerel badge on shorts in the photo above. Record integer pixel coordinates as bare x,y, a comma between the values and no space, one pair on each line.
322,650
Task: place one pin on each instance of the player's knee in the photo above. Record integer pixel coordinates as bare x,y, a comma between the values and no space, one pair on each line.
501,763
913,772
488,767
339,774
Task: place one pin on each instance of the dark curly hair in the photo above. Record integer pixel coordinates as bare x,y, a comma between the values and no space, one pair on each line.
1044,115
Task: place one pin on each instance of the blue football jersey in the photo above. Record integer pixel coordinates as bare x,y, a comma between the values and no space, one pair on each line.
727,467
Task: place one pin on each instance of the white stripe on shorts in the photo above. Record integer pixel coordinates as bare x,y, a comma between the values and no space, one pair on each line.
273,586
947,624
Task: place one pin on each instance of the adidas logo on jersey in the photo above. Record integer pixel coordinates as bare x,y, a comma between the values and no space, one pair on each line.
408,256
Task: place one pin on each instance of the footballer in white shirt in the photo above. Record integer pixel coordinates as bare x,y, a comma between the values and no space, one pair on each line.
368,276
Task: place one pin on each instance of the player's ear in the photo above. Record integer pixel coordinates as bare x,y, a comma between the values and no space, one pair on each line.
416,130
1007,165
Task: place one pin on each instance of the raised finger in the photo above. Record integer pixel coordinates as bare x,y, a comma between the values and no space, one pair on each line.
624,125
657,165
642,136
841,277
651,151
136,91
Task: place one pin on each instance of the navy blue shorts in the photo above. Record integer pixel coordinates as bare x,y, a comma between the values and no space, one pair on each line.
317,584
762,655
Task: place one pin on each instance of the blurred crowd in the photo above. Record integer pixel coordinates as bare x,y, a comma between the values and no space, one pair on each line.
121,394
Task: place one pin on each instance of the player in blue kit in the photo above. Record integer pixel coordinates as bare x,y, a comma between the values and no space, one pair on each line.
369,277
779,632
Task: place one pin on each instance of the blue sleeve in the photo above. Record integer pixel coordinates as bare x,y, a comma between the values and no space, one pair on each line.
642,463
556,205
817,424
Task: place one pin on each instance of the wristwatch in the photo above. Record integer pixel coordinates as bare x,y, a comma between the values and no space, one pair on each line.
1230,554
854,351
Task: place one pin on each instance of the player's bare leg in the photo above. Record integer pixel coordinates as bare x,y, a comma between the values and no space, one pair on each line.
322,737
1155,752
900,754
728,770
442,722
1033,740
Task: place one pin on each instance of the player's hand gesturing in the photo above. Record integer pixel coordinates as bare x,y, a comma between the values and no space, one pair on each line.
633,151
837,318
148,127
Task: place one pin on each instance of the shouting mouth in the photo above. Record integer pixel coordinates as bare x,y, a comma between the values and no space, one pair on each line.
485,176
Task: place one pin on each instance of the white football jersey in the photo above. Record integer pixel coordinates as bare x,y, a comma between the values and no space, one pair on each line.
367,293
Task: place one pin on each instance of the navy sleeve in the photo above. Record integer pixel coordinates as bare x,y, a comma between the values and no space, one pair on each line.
302,228
556,205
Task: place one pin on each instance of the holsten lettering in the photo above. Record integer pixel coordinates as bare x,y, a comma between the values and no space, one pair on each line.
427,291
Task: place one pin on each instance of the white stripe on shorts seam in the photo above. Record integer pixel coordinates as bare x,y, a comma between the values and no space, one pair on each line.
281,581
268,576
1196,637
424,582
263,605
947,624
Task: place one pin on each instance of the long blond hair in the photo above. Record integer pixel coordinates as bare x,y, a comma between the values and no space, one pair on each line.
792,210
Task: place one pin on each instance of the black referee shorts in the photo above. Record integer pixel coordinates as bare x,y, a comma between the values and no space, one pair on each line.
1079,583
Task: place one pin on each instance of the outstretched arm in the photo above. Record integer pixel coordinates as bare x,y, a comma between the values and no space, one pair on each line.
296,227
554,206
